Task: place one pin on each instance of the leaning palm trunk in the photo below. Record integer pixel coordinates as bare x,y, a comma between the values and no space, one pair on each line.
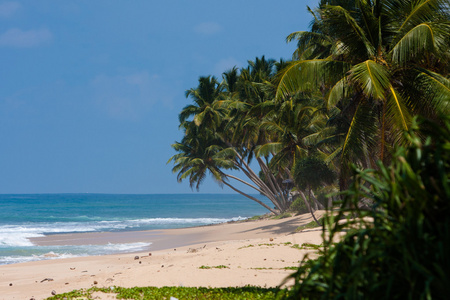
317,204
250,197
284,205
308,205
268,187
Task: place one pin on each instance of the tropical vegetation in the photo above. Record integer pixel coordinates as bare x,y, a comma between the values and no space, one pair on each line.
399,249
355,82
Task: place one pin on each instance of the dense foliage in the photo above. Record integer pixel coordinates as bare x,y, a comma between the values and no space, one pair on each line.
377,64
399,249
355,82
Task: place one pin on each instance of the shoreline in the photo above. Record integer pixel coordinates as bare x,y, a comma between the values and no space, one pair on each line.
256,252
162,239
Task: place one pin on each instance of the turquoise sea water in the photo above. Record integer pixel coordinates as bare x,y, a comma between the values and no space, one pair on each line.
26,216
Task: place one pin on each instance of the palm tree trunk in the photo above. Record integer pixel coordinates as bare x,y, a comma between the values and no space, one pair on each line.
272,181
241,164
309,207
317,204
250,197
264,188
244,182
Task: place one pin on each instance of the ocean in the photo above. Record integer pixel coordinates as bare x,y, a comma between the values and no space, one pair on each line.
26,216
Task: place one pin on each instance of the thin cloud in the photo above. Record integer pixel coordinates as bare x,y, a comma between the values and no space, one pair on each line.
208,28
8,9
129,97
25,39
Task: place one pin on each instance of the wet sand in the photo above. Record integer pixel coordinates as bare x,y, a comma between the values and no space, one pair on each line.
169,238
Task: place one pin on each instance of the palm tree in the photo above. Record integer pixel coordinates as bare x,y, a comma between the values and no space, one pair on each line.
204,110
231,81
295,125
222,134
197,156
379,63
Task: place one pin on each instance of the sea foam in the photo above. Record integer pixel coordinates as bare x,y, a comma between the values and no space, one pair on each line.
18,235
34,253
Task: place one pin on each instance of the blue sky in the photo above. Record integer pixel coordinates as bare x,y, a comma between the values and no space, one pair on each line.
90,91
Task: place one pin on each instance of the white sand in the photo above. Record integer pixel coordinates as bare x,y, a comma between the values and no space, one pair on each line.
254,253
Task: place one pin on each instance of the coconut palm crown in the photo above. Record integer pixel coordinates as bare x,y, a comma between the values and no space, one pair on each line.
379,63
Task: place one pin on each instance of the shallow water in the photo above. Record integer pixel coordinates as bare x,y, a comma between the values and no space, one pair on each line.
26,216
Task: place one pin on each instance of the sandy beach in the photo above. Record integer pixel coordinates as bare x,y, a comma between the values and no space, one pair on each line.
256,252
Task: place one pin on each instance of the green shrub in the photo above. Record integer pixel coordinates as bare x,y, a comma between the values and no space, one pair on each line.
298,206
402,250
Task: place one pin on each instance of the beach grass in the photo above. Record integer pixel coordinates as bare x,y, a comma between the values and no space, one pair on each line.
282,216
214,267
258,217
310,225
247,292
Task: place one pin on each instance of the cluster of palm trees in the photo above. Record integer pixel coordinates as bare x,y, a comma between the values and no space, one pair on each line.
355,82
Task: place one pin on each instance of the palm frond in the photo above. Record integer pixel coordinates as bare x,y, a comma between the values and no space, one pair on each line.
226,153
268,149
187,112
311,44
333,155
421,10
437,90
361,132
340,90
397,110
373,78
342,24
312,139
425,37
309,75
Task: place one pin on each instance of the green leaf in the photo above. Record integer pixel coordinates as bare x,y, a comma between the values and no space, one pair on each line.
373,78
361,132
340,90
436,88
420,10
397,110
268,149
414,42
309,75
